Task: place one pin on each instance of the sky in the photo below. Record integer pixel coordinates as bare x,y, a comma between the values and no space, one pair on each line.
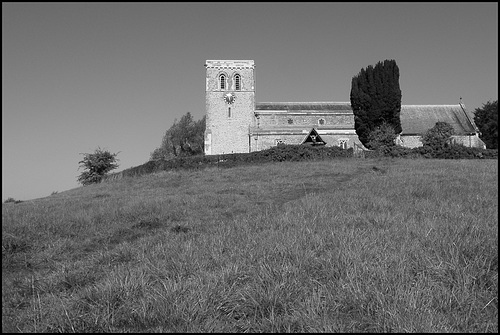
115,76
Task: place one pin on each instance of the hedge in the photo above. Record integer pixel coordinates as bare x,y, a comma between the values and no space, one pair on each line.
294,153
279,153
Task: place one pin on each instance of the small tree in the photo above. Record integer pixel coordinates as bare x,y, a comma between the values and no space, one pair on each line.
382,136
438,136
185,138
486,119
97,165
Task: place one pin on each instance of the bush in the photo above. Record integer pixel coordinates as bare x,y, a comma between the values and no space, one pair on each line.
294,153
462,152
96,165
279,153
455,151
438,136
10,199
399,151
382,136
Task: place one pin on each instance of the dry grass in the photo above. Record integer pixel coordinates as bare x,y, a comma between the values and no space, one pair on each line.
338,246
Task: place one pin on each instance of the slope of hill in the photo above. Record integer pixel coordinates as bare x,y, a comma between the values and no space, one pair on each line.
342,245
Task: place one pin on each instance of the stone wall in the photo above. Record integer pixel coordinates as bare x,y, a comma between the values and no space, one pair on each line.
305,119
469,141
410,141
292,127
268,140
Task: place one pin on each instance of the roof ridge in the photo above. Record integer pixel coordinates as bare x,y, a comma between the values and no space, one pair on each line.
304,102
455,105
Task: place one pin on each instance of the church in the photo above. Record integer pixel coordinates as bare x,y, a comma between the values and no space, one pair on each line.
236,123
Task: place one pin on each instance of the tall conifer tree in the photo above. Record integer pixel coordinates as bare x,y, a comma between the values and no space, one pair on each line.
376,98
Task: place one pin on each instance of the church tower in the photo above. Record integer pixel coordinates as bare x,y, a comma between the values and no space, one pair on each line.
230,105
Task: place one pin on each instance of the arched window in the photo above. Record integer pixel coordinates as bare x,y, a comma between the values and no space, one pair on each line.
222,81
237,82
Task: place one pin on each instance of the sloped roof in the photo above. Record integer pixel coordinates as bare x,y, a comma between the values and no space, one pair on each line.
331,106
417,119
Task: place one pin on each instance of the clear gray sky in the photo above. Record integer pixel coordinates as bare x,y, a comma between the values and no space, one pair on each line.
77,76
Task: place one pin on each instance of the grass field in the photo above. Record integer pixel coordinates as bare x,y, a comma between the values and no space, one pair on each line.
349,245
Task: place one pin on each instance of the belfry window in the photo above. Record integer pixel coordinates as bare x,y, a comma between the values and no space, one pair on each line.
237,82
222,81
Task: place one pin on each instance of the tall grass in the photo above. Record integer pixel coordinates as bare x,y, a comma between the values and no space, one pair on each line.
328,246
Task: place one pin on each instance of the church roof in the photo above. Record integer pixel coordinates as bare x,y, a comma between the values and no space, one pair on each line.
292,106
417,119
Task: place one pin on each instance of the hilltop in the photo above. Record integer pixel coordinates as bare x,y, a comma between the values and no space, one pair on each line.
343,245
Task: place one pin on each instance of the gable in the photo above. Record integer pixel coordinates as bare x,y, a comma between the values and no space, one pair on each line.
313,138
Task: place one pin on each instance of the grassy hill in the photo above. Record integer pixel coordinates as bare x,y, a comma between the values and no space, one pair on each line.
347,245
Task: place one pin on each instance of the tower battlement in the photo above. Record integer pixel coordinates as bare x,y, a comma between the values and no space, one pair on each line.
230,64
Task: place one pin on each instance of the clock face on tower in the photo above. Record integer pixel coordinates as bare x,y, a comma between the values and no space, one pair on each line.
229,98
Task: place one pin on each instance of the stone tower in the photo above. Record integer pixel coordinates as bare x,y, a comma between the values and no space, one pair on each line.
230,105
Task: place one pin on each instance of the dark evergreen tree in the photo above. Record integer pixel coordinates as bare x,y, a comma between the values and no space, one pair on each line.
376,99
486,119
